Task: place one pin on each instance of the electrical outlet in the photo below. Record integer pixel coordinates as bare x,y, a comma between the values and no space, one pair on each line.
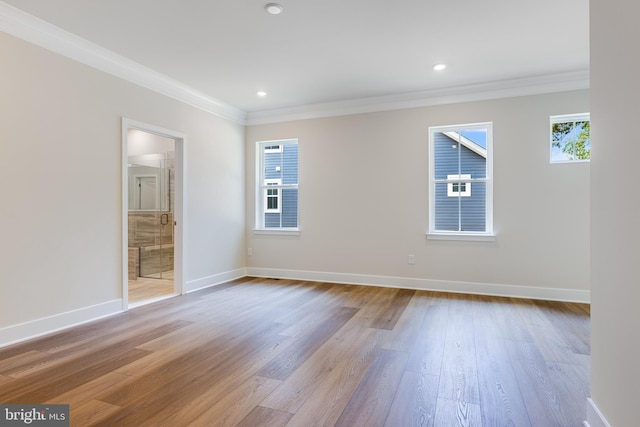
411,259
250,251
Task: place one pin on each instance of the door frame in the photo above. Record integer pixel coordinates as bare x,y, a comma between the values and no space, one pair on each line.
179,214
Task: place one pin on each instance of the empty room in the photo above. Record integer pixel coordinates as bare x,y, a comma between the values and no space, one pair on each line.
319,214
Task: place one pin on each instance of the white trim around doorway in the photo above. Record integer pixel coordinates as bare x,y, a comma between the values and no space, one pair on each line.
179,203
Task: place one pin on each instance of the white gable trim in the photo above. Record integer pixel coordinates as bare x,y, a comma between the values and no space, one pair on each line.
467,143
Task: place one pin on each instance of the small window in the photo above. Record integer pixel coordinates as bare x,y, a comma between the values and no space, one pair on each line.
458,188
272,196
570,138
460,158
277,185
273,149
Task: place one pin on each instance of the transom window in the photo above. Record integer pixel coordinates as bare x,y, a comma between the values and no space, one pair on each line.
460,160
570,138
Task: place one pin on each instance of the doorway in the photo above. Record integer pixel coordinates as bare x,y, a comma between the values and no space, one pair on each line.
153,191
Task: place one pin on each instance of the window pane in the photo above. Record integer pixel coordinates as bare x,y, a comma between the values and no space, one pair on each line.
461,213
570,138
282,165
455,154
473,217
272,220
272,203
445,154
289,207
288,216
447,210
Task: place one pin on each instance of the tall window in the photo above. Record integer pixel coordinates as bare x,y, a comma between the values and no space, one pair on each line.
277,187
570,138
460,181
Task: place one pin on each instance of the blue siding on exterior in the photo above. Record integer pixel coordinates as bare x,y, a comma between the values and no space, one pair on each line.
287,161
458,213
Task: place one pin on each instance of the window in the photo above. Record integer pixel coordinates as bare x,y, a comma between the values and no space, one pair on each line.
277,186
455,189
272,195
273,148
460,160
570,138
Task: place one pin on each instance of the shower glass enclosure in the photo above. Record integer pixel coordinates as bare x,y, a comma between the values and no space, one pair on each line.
151,222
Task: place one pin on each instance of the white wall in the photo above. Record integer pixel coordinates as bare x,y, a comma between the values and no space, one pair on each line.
60,179
363,203
615,279
140,143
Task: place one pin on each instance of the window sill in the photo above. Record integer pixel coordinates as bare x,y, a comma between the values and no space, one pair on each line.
277,231
468,237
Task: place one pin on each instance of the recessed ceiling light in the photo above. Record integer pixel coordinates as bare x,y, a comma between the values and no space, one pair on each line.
273,8
439,67
261,93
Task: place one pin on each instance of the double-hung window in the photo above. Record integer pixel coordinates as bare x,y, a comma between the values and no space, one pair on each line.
460,182
277,185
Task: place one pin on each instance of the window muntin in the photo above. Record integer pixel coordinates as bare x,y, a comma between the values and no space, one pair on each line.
570,138
460,159
277,185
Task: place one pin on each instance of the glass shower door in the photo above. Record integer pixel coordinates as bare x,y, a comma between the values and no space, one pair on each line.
151,219
165,247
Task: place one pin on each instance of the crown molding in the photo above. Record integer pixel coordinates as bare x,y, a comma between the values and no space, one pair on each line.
479,92
41,33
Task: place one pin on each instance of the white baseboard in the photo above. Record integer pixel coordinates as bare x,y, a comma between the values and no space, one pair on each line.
549,294
46,325
594,416
216,279
32,329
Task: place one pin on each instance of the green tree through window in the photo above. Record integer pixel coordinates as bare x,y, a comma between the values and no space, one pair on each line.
570,138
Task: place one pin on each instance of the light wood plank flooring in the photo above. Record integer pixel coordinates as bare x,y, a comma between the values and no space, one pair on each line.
262,352
144,289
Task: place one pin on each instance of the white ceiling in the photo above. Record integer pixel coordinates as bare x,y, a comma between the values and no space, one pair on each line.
335,50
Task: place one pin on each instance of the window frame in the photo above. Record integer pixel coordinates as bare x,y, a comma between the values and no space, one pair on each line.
566,118
262,184
488,233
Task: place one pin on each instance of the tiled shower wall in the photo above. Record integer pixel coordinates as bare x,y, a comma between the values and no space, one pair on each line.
149,243
144,229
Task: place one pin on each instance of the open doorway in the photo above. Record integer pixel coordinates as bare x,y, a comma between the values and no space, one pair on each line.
153,165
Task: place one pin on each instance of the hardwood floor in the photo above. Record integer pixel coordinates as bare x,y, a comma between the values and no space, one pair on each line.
144,289
262,352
